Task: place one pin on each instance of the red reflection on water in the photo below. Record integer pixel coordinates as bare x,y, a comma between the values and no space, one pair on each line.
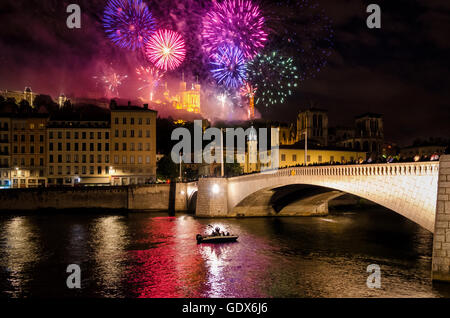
170,266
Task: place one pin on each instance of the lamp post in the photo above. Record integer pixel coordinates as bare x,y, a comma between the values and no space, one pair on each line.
222,168
306,140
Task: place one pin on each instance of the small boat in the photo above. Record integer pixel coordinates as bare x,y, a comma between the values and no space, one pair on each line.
216,238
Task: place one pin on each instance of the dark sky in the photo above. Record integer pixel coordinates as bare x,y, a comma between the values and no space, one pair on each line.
400,70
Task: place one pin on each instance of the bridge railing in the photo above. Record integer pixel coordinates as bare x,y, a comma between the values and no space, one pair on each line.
391,169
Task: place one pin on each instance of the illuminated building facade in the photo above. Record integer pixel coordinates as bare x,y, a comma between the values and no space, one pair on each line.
78,151
28,150
27,95
186,99
314,122
133,145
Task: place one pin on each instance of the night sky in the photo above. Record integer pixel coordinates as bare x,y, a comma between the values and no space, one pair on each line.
400,70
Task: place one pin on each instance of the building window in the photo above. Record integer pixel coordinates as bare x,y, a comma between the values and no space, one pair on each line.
32,162
68,146
294,158
41,149
140,133
59,158
50,170
83,169
83,135
139,146
41,138
59,135
124,121
308,158
116,146
147,159
91,158
124,146
106,135
132,146
320,158
50,136
132,121
131,159
147,133
32,149
99,147
76,171
124,159
83,158
99,135
91,170
59,146
22,149
116,133
147,147
31,138
22,137
99,159
131,133
59,170
106,158
68,158
76,146
91,146
99,170
75,158
68,135
116,159
41,162
283,157
68,170
76,135
139,159
106,147
124,133
148,121
50,159
83,146
331,159
140,121
116,121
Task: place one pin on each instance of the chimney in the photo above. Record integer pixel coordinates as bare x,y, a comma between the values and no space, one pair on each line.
145,106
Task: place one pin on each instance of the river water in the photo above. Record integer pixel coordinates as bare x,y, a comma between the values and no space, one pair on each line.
153,255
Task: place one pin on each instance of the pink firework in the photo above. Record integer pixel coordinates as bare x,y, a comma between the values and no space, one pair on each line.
150,76
111,82
234,22
166,49
248,90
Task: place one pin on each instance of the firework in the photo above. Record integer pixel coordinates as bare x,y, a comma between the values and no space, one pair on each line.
275,76
249,91
166,49
236,23
229,67
150,76
128,23
111,82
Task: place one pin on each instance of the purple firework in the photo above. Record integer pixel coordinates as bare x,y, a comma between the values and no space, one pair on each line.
229,67
238,23
128,23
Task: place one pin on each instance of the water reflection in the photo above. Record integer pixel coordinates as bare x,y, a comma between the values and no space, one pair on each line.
108,242
148,255
20,252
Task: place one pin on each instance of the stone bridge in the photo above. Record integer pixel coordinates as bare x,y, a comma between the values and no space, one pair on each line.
410,189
